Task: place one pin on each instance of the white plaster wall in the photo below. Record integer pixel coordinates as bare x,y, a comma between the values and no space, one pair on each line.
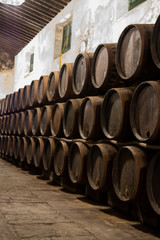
94,22
6,82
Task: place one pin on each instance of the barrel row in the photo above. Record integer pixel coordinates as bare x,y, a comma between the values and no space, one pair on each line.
122,114
128,172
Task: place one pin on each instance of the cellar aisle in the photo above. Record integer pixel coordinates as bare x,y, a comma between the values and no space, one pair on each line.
30,208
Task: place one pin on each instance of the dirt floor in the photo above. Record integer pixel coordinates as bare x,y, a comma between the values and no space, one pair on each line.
30,208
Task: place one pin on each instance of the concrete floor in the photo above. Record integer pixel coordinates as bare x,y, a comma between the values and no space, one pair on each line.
30,208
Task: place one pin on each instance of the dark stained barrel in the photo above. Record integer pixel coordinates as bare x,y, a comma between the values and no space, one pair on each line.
8,146
155,44
104,73
70,118
60,158
14,103
38,153
23,148
145,112
77,162
10,103
1,120
133,58
19,99
56,123
10,127
30,150
16,147
3,124
153,178
65,89
11,148
45,120
99,166
21,123
28,122
6,130
128,174
42,90
48,154
2,107
6,103
115,114
15,123
52,88
33,99
25,97
36,116
81,79
89,118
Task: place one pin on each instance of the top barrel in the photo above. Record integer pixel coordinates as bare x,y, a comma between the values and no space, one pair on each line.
133,58
155,43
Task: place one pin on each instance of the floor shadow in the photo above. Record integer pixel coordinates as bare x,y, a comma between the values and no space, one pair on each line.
116,213
89,201
147,229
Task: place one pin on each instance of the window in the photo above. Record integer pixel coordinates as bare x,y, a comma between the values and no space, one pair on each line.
134,3
63,35
66,40
31,62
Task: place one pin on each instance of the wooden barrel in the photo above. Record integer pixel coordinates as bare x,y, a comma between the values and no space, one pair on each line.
103,72
3,124
145,112
48,154
6,103
2,107
23,148
28,122
11,148
99,166
70,118
38,153
10,103
77,162
10,127
33,98
81,80
65,89
1,121
15,123
42,90
25,97
36,116
60,158
16,147
14,103
89,118
30,150
155,45
153,178
56,123
21,123
133,58
8,146
52,87
5,139
6,130
128,173
45,120
115,114
19,99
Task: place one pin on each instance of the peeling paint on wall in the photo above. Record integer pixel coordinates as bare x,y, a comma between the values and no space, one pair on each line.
6,74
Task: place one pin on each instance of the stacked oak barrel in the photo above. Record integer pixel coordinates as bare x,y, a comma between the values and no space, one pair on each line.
94,126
